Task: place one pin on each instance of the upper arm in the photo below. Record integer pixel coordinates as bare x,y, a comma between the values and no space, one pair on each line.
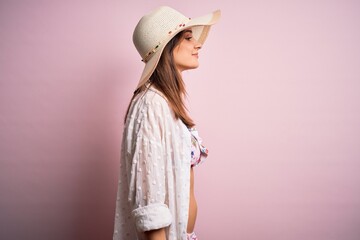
148,171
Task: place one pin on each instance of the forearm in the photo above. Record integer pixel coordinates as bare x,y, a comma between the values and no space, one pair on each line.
158,234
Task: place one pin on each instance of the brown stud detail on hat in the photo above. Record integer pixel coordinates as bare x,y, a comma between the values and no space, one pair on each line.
151,52
181,25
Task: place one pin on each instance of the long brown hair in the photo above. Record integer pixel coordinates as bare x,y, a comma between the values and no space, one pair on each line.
167,79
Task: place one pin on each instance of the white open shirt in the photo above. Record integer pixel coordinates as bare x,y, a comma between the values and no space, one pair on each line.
154,182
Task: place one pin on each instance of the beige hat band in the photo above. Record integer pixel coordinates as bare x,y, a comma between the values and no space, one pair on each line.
172,32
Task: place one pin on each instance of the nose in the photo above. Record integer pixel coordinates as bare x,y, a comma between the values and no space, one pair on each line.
197,45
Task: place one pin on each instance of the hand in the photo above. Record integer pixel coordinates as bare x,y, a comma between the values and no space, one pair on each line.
158,234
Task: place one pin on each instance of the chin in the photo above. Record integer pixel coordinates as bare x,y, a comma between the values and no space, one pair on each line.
190,68
194,66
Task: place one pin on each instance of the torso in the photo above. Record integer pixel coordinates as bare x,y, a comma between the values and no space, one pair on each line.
192,203
198,154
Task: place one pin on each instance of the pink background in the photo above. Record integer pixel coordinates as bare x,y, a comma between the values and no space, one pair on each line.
276,100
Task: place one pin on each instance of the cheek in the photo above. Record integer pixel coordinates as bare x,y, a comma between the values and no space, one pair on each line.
179,56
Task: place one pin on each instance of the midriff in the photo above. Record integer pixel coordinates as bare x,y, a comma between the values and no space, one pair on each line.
192,205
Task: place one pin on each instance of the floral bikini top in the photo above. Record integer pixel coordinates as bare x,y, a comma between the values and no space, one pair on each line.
198,151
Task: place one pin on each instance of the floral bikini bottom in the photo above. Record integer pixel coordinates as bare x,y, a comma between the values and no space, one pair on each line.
191,236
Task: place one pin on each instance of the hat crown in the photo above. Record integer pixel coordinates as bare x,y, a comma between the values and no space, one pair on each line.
155,27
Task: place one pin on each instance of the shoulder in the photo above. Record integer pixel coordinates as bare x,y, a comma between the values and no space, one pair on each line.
152,96
150,102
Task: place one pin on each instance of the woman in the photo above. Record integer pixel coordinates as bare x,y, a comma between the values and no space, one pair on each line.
160,146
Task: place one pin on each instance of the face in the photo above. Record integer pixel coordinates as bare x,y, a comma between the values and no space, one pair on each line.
186,53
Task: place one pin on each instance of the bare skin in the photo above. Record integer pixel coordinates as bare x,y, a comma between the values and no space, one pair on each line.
192,205
158,234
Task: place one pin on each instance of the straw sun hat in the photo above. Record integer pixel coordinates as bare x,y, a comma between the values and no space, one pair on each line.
157,28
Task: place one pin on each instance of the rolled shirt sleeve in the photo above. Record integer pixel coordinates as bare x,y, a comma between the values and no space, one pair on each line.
153,216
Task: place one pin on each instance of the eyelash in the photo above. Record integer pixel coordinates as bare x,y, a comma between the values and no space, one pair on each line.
188,38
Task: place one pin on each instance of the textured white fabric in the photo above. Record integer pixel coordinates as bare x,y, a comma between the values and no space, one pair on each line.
152,216
154,183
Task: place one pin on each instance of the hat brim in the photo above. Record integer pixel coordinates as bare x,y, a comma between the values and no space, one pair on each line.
200,28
